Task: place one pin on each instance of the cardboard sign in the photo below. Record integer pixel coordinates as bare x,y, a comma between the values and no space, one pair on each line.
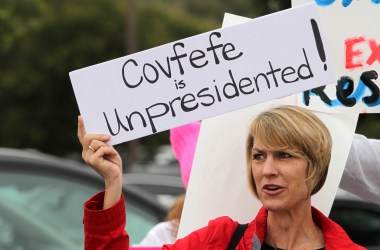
352,31
204,76
218,182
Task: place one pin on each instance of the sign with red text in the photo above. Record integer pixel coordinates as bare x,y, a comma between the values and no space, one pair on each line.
352,32
203,76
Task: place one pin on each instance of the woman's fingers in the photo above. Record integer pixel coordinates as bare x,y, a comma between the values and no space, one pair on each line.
105,159
86,139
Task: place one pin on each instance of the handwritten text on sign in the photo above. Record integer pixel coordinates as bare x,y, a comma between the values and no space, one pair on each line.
203,76
348,91
354,42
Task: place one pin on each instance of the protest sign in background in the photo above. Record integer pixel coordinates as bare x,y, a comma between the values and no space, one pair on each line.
354,41
218,183
203,76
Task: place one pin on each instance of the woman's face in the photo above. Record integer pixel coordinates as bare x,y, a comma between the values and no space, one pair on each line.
280,178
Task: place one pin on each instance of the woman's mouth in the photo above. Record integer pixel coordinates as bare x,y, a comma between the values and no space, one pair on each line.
272,189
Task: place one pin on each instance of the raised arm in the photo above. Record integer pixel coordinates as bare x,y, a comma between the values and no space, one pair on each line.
105,160
104,214
361,175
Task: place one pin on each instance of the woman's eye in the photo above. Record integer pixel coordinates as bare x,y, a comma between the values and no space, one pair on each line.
284,155
258,157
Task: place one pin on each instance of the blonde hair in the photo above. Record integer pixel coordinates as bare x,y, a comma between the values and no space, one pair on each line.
175,213
297,131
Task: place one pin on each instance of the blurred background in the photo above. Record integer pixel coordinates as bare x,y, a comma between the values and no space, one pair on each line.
41,41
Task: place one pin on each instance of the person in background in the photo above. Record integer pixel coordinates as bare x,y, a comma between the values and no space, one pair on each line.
183,140
361,175
166,232
287,163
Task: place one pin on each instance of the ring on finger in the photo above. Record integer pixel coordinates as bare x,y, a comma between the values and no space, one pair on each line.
91,148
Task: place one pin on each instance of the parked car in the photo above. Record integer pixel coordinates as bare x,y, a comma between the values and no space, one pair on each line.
42,197
358,217
165,187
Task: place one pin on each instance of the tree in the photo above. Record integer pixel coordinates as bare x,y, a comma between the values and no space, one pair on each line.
43,42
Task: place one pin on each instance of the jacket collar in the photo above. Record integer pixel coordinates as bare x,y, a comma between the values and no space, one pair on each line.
335,236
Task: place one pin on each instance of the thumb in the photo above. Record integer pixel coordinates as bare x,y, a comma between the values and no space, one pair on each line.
81,128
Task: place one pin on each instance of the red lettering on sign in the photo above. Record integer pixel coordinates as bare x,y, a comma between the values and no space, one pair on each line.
375,55
351,53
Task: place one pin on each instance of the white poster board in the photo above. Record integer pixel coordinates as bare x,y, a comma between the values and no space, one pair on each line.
218,183
203,76
352,32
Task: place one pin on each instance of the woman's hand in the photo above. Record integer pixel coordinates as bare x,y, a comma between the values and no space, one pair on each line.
105,160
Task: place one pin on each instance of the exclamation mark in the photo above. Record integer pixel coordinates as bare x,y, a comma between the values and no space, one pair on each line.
318,41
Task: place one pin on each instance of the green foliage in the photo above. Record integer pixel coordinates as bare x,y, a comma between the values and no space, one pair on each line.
43,41
167,25
369,125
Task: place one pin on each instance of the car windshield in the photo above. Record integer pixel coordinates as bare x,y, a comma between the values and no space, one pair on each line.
46,212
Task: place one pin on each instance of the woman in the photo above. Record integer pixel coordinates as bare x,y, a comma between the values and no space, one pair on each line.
288,152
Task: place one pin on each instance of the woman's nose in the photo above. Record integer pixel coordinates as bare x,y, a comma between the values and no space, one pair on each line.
270,167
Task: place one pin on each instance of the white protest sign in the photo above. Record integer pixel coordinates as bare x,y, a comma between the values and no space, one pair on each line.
218,183
203,76
352,31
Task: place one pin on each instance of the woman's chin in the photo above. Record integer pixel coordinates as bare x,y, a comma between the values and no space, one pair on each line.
273,205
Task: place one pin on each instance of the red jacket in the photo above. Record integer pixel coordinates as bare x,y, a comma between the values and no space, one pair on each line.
104,229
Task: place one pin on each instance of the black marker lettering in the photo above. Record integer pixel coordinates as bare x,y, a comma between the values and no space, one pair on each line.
178,57
213,47
119,124
151,117
345,88
124,75
366,78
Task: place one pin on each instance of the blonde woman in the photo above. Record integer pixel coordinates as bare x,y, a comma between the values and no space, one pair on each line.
288,153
